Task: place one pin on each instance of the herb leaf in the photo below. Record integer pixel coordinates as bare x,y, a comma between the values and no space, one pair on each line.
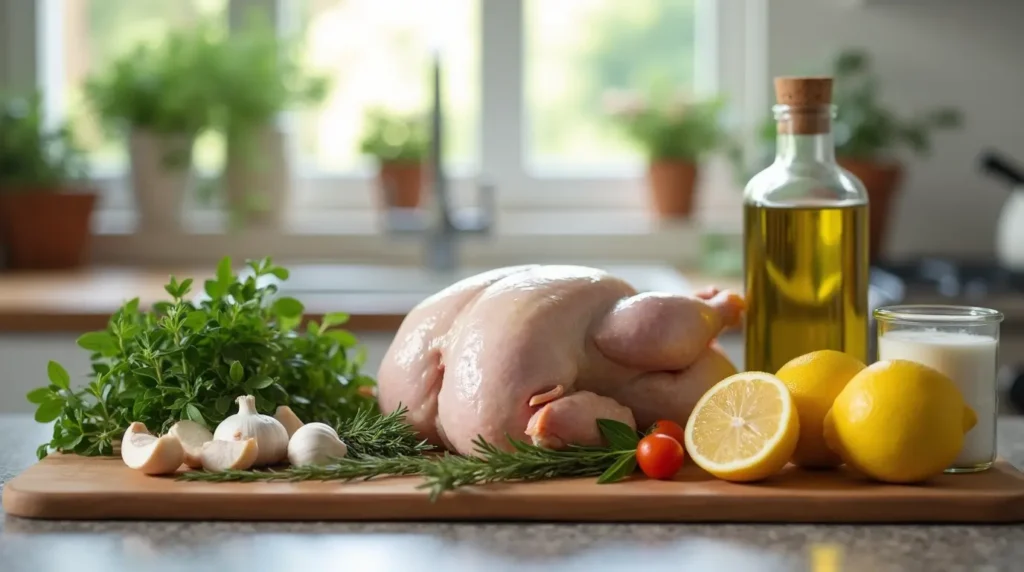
618,434
287,307
97,342
58,375
235,372
41,395
49,410
333,319
258,382
621,469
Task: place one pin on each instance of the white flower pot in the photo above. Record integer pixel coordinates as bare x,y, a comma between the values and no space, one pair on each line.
256,177
161,174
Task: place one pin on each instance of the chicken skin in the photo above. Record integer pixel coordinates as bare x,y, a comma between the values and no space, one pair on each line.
540,352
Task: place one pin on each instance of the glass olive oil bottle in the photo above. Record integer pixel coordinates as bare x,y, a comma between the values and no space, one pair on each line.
805,226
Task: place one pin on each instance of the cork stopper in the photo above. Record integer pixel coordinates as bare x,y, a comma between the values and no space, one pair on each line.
808,99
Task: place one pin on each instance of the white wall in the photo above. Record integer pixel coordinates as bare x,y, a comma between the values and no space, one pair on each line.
928,52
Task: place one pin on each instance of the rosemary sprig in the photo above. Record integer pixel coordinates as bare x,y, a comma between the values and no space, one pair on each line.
346,469
369,434
525,462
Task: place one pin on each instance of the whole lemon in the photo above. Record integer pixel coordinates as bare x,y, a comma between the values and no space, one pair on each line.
898,421
814,380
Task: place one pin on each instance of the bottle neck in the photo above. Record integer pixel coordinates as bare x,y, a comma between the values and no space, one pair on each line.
805,137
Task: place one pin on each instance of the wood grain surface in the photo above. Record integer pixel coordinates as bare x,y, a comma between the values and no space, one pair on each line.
70,487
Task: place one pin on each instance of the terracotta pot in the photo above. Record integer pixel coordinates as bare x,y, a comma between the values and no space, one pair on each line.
256,177
401,184
161,173
671,185
46,229
882,181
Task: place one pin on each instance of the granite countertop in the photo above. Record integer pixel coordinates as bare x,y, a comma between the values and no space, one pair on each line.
155,546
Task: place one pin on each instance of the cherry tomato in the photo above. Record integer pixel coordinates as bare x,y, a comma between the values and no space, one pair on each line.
670,428
659,456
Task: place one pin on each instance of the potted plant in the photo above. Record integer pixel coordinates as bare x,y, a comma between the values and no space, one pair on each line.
258,76
162,97
676,134
869,137
44,216
399,143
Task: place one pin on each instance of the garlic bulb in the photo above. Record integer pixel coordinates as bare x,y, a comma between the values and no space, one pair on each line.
271,437
315,444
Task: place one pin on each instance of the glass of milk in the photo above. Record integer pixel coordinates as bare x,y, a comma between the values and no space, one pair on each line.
963,343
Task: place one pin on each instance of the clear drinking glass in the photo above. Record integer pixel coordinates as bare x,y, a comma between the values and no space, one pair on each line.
963,343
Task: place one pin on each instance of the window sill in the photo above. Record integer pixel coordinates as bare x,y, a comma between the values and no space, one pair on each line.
359,236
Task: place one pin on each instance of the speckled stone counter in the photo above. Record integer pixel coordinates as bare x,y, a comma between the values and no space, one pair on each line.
157,546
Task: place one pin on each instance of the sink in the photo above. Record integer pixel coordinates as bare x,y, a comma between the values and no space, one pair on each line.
381,279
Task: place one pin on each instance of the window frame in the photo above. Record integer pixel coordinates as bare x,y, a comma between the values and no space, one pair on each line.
731,38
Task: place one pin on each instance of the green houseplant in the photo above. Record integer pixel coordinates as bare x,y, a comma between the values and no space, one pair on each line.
676,134
43,222
399,143
258,76
160,96
870,137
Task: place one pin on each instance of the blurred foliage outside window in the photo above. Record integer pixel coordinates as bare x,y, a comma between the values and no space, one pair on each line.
579,50
377,53
95,33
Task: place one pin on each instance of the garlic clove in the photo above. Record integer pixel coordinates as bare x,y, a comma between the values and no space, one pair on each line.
315,444
152,455
229,455
248,423
289,419
192,437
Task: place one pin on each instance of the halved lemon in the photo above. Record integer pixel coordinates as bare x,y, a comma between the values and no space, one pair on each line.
745,428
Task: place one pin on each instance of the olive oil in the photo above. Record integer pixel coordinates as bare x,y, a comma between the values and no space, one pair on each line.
805,239
806,278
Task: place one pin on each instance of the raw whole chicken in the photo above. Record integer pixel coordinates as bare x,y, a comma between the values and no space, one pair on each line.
540,352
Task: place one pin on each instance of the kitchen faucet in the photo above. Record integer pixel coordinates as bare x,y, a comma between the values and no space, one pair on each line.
443,227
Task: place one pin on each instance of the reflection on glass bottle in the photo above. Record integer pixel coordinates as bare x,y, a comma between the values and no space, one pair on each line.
805,239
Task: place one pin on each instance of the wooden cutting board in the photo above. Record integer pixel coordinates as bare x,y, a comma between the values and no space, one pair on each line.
70,487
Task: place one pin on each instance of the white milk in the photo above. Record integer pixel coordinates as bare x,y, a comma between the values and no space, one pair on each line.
970,361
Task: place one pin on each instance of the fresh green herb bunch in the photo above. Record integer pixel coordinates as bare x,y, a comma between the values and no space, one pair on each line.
189,359
165,87
33,156
392,137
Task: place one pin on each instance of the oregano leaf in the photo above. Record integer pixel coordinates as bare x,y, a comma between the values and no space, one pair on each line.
193,413
333,319
236,372
49,410
258,383
58,375
287,307
41,395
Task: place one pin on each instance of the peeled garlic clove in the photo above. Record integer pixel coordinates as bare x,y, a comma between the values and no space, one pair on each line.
250,424
150,454
315,444
289,419
229,455
192,437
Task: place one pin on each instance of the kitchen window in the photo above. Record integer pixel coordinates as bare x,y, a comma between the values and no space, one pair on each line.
523,83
